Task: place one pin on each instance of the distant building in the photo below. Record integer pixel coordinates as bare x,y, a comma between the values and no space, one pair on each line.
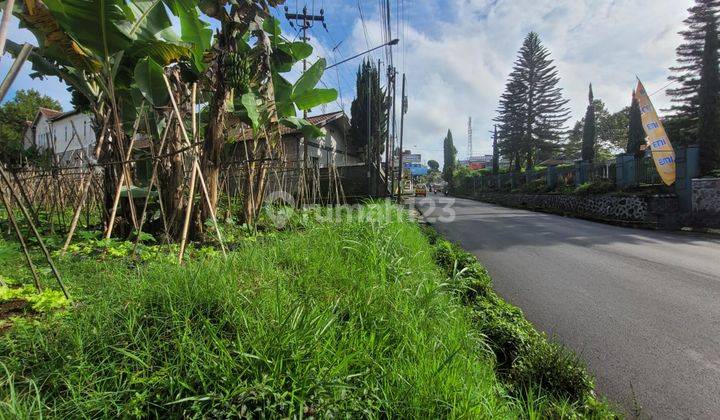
69,135
482,162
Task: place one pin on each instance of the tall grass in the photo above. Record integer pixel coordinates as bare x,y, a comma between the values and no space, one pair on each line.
348,319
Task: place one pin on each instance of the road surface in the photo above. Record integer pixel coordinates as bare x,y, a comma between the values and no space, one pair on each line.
641,307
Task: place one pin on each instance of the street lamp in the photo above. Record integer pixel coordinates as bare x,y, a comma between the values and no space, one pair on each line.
393,42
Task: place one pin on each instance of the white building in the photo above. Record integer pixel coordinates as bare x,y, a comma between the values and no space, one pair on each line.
69,135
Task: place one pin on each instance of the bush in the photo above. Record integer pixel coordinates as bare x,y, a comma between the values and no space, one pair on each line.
595,188
526,361
536,186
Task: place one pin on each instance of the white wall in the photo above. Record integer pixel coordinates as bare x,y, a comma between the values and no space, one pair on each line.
68,137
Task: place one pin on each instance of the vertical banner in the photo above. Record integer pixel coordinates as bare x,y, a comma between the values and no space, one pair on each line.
662,151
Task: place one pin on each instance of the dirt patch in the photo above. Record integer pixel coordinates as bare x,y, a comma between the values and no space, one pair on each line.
13,307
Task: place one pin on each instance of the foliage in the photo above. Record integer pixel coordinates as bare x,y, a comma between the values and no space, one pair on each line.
611,130
495,153
636,132
315,322
532,112
525,359
13,117
47,301
687,72
449,158
589,131
368,89
434,165
709,100
595,188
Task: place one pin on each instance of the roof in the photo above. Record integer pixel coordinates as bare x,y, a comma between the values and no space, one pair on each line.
49,113
52,114
319,121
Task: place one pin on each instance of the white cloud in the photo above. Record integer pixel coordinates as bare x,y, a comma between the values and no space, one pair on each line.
457,67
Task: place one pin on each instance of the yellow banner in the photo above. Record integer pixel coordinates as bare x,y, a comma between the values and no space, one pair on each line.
657,139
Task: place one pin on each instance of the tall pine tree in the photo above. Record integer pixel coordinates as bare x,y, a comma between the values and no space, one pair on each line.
709,101
369,104
636,133
589,130
686,74
450,158
496,154
532,112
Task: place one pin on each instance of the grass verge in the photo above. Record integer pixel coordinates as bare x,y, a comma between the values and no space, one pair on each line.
352,319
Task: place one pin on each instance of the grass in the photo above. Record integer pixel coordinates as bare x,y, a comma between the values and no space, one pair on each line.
351,319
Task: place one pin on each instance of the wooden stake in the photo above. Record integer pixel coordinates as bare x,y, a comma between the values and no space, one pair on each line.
11,217
36,233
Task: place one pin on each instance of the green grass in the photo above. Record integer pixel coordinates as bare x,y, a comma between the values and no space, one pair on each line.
352,319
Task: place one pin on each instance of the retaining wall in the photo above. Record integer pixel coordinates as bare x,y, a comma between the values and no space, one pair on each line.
655,211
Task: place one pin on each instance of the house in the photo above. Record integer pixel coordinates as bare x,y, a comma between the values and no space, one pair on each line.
68,135
334,148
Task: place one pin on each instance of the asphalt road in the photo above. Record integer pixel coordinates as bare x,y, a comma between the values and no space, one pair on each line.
641,307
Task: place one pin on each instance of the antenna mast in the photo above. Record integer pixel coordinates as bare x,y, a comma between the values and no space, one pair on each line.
469,144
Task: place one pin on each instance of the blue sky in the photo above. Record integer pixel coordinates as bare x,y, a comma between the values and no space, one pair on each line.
458,53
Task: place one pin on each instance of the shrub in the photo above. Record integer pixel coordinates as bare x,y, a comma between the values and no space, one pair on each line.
526,361
595,188
536,186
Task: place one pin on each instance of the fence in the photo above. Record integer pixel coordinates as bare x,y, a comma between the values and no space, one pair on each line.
622,173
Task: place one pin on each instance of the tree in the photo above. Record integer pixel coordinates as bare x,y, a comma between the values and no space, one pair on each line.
611,133
450,158
532,112
709,101
636,133
13,116
433,165
589,130
370,117
496,153
687,72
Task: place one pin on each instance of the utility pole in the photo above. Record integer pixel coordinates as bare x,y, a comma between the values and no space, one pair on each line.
403,111
305,21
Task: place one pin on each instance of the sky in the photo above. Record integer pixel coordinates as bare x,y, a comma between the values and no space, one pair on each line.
457,55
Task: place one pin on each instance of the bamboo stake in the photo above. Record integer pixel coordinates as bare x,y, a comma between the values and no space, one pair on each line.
37,234
11,217
196,171
156,163
116,199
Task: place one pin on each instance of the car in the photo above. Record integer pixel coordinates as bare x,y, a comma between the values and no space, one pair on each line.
420,191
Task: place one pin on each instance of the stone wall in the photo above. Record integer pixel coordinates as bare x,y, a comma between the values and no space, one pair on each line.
706,195
705,203
659,210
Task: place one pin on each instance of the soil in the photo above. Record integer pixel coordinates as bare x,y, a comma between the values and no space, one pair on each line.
13,307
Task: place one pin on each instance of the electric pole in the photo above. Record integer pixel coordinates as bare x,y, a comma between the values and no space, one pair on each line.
305,21
403,111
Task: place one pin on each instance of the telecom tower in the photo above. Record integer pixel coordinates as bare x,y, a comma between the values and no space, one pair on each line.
469,144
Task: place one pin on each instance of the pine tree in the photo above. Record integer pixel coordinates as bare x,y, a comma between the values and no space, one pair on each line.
636,133
589,130
532,112
709,101
450,156
496,154
369,89
685,91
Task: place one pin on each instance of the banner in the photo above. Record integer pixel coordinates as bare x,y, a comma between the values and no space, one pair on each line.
662,151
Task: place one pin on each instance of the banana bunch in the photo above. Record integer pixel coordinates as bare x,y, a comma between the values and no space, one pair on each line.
238,71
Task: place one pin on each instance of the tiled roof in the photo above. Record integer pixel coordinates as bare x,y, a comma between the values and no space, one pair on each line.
50,113
317,120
